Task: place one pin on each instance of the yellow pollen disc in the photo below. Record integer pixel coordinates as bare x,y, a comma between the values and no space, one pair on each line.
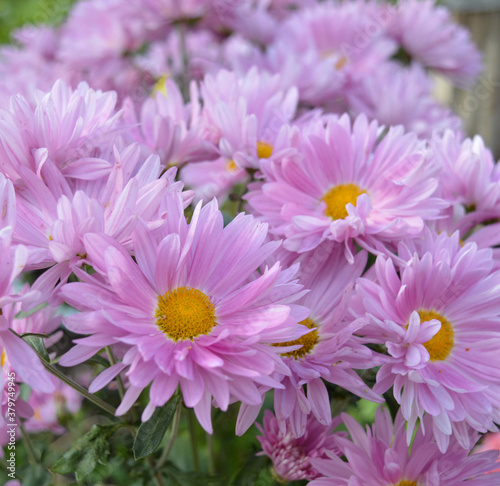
36,415
308,341
231,166
161,86
185,313
3,358
341,63
338,197
441,344
264,150
405,482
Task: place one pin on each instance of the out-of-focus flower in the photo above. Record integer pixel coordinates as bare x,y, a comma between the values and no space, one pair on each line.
430,36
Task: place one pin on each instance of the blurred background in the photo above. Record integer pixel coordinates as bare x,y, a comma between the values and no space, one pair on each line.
479,107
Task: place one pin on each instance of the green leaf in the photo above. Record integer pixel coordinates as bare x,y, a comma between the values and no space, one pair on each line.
88,451
37,475
255,471
38,345
150,433
176,477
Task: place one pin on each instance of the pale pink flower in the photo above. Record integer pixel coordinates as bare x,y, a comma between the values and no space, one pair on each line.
324,49
428,33
379,456
192,309
244,115
346,184
292,457
395,95
439,321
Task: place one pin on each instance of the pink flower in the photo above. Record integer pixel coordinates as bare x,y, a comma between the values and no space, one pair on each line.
192,310
49,407
292,458
324,49
469,178
395,95
330,351
52,226
428,34
244,116
168,127
380,456
439,321
67,128
346,185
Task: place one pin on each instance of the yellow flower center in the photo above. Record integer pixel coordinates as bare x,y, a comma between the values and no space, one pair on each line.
185,313
231,165
161,86
338,197
441,344
406,482
264,150
308,341
3,358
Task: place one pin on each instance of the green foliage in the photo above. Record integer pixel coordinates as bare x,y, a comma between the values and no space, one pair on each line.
88,451
151,433
14,14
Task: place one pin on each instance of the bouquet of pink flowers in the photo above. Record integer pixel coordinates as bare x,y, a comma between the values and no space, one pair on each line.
215,214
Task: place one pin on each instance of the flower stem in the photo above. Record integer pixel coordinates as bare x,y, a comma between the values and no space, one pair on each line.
119,381
89,396
173,436
29,446
194,439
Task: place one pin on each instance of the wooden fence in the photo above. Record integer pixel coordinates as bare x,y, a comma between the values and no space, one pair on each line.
480,106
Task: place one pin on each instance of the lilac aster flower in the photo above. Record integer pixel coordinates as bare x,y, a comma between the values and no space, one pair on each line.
324,49
429,35
292,457
244,115
380,457
192,309
347,185
469,178
330,351
440,323
395,95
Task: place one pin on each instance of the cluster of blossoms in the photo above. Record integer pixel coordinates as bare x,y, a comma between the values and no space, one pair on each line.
368,241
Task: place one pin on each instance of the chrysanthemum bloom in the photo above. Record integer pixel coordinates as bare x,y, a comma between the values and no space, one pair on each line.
329,352
469,178
380,456
67,128
440,323
192,309
244,115
48,408
346,185
52,225
324,49
430,36
396,95
168,127
292,457
15,354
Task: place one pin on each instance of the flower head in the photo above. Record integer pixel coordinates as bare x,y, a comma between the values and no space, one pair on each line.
192,310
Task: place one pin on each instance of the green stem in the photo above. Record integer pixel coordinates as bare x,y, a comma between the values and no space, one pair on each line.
173,436
157,477
194,439
29,446
211,454
119,381
43,335
184,77
89,396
